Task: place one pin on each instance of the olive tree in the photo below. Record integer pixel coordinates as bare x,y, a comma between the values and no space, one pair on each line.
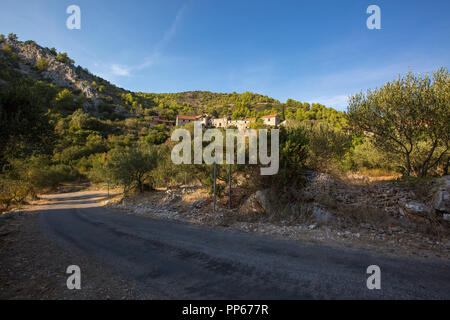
408,117
130,167
326,144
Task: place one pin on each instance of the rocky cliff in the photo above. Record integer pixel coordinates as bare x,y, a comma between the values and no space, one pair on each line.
59,70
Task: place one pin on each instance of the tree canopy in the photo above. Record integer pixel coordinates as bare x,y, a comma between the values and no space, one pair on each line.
408,117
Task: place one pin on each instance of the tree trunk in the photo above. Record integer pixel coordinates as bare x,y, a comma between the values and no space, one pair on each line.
140,183
425,164
446,167
408,165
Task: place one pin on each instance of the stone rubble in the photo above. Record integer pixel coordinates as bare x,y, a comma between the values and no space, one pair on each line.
324,226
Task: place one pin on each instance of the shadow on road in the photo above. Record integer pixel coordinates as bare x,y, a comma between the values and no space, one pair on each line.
83,199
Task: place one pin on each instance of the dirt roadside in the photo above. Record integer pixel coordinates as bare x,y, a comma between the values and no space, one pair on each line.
195,207
34,267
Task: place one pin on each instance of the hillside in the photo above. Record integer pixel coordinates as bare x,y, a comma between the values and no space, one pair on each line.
106,101
28,59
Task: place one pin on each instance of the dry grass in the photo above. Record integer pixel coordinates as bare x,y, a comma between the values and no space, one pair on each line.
362,213
368,178
199,194
381,174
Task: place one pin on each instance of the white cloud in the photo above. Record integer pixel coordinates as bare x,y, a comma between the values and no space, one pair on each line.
119,70
170,33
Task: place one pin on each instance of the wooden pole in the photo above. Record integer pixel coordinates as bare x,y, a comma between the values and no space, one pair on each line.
215,165
229,190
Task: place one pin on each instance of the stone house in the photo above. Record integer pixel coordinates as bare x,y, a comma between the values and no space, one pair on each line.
271,120
183,120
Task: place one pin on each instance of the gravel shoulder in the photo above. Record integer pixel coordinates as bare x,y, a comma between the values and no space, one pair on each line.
180,206
33,267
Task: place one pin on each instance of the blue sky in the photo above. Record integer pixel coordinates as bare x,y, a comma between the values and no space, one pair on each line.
315,50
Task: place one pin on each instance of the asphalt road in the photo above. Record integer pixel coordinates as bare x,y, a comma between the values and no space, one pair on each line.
173,260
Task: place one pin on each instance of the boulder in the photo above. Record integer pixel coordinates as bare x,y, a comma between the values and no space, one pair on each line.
262,201
441,201
322,216
251,205
415,208
441,198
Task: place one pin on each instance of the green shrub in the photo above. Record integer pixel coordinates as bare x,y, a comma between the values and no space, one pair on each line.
327,145
31,42
63,57
367,156
56,174
131,167
27,177
7,48
293,151
157,135
12,37
65,100
167,173
12,192
42,64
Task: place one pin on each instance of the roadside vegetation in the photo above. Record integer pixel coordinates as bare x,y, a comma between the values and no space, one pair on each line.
48,136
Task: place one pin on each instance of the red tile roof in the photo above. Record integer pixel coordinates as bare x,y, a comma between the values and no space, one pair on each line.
270,116
189,117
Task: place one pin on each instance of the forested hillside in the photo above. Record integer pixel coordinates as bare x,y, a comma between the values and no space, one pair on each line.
104,100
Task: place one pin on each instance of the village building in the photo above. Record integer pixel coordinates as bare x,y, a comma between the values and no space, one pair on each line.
220,122
183,120
271,120
226,122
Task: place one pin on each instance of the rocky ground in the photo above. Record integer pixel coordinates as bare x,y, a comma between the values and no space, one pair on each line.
34,267
389,217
